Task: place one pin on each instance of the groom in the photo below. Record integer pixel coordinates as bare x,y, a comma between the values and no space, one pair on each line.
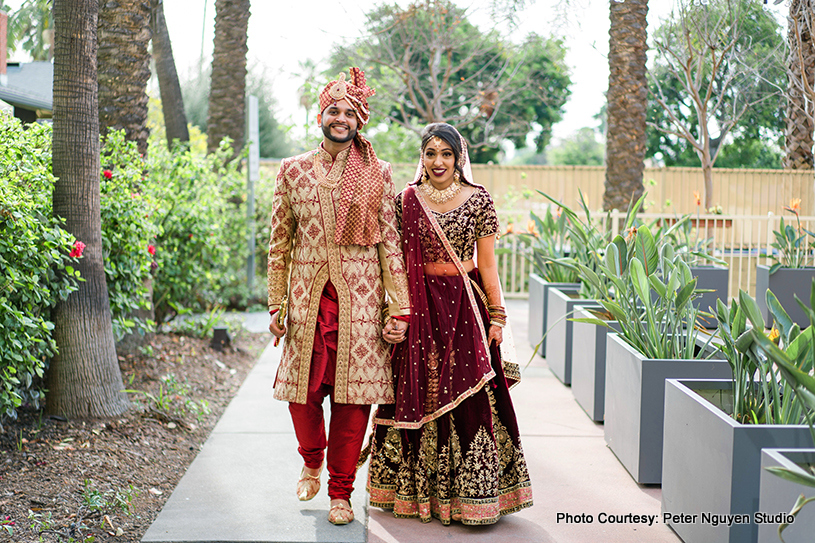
335,253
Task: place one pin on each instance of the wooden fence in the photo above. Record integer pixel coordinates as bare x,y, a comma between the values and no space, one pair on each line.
670,190
752,202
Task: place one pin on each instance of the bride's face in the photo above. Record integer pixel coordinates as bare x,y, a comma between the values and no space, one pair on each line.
439,161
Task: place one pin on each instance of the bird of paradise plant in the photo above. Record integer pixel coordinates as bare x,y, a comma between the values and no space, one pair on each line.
651,296
790,241
795,365
548,239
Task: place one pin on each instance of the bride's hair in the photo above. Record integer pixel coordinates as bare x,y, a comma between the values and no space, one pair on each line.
450,136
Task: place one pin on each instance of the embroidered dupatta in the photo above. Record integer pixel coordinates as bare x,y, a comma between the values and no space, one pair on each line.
446,357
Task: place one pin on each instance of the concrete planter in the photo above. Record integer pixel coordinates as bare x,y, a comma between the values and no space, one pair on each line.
589,363
561,305
635,398
785,284
538,308
712,464
778,495
714,278
536,311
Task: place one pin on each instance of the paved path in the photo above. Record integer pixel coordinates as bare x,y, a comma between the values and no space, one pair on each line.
241,486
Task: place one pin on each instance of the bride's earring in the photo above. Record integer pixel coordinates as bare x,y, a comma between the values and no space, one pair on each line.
425,177
456,176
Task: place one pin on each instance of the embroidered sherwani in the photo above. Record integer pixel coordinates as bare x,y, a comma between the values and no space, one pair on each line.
303,257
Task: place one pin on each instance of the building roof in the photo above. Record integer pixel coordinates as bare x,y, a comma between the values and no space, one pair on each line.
29,85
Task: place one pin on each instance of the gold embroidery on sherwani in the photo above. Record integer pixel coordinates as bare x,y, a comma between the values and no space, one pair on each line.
303,256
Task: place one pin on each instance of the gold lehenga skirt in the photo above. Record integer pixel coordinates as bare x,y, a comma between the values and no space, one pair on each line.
468,461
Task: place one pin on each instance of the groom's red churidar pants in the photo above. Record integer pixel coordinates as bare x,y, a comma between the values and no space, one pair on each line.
346,430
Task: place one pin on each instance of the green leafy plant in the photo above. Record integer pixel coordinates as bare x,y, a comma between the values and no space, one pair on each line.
650,291
199,326
128,232
114,498
201,247
36,263
695,251
791,242
548,242
761,396
159,402
7,525
173,399
795,365
586,240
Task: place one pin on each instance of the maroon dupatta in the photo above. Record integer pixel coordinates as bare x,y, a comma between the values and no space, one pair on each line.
446,356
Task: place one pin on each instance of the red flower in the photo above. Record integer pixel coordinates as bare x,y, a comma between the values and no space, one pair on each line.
108,174
76,252
151,249
190,236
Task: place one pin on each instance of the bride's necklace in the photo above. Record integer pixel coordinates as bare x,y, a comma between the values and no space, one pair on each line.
440,196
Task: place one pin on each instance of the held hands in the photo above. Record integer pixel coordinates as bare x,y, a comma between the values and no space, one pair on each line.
395,331
496,334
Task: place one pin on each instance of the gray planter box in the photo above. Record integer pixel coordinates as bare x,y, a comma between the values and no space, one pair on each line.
778,495
538,306
589,363
711,463
561,305
714,278
635,399
785,284
536,311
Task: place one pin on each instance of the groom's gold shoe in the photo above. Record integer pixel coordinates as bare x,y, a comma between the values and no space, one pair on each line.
308,485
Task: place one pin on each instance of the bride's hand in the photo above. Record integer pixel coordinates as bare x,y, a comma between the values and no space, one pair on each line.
496,334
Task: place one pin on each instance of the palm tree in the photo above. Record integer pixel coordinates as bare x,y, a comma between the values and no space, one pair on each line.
84,380
123,62
172,104
627,103
227,100
800,110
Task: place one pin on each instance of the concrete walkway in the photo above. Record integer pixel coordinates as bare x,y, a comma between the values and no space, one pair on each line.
240,488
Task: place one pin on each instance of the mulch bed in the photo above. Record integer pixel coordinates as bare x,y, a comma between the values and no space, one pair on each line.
107,480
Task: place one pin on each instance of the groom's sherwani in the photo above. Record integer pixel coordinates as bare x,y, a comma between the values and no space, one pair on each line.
303,257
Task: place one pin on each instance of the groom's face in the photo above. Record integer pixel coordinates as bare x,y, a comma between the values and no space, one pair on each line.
339,122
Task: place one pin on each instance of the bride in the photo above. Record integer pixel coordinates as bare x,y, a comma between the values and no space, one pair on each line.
449,447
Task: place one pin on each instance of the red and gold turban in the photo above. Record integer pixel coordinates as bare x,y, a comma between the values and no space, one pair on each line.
355,91
357,211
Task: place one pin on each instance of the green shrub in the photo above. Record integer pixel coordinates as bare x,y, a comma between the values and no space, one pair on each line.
128,232
201,244
35,266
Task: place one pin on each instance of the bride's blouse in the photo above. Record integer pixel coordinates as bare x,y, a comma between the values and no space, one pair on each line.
473,219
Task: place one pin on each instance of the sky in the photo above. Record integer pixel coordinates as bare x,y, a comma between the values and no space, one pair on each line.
283,34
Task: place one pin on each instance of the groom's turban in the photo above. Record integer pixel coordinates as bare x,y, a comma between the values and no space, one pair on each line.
355,91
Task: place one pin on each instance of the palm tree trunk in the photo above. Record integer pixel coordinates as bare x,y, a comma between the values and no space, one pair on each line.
84,379
627,103
800,110
172,103
124,68
227,100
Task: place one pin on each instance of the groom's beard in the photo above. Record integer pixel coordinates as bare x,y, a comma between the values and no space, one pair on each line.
327,133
